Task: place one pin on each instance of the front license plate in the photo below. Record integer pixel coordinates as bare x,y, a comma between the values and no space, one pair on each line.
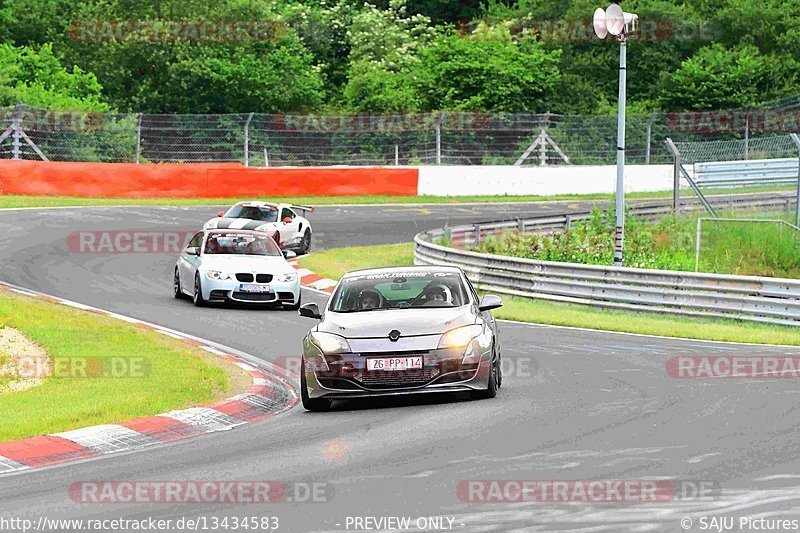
394,363
253,288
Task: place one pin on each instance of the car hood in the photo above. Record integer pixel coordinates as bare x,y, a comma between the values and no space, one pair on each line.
409,322
239,223
246,263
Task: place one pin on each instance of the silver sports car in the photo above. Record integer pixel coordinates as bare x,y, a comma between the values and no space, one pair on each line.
398,331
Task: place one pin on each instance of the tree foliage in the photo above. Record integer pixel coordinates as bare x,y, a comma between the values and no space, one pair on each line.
37,78
486,71
405,55
718,78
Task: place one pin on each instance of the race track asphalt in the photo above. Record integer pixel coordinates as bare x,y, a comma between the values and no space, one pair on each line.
575,405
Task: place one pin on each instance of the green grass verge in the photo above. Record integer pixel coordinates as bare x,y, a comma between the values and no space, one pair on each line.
176,376
541,312
7,201
727,246
4,379
335,262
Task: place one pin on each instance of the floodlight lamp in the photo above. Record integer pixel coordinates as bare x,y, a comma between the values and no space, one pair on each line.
599,23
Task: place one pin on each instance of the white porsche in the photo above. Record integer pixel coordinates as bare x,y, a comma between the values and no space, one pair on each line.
282,222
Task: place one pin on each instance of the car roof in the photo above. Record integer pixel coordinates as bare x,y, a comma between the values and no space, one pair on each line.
237,231
257,203
401,269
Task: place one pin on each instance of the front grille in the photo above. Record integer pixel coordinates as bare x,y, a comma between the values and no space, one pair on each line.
263,278
218,295
254,296
409,353
400,378
244,278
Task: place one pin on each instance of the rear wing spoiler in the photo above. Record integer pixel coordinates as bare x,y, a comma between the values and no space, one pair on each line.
305,208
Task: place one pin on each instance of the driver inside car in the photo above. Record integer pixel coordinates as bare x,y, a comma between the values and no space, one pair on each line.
212,247
439,294
368,299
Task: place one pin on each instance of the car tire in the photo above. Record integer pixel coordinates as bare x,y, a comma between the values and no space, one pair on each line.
494,378
305,245
311,404
197,298
295,306
176,282
499,371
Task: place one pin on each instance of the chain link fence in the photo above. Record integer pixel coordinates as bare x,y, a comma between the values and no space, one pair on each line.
299,139
767,147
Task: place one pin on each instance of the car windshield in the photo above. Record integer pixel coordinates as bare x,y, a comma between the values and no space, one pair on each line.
240,244
265,213
399,290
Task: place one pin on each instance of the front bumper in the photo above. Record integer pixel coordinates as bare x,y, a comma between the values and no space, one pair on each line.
443,371
229,290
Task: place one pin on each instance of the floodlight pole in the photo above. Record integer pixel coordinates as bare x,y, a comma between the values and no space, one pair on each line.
619,232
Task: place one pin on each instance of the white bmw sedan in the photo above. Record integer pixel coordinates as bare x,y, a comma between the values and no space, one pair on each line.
236,266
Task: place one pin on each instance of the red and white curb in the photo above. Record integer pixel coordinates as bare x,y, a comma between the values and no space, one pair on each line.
272,392
312,280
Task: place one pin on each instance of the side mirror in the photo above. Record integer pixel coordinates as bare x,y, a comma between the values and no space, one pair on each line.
192,250
489,302
288,254
310,311
221,214
287,220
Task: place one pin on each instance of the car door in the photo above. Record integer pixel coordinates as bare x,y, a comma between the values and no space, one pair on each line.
188,264
290,231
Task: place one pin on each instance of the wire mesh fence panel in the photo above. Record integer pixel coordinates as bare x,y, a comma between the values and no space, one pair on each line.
337,139
766,147
192,138
418,138
76,136
6,145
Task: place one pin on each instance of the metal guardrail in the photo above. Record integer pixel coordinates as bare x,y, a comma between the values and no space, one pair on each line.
741,173
758,299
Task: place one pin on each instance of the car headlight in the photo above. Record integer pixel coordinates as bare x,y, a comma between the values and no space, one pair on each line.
288,277
328,343
475,339
460,337
216,274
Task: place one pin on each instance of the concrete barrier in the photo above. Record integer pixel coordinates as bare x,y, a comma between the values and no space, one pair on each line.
195,180
227,180
547,181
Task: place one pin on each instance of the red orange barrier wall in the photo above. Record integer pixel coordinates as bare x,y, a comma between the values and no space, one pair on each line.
196,180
